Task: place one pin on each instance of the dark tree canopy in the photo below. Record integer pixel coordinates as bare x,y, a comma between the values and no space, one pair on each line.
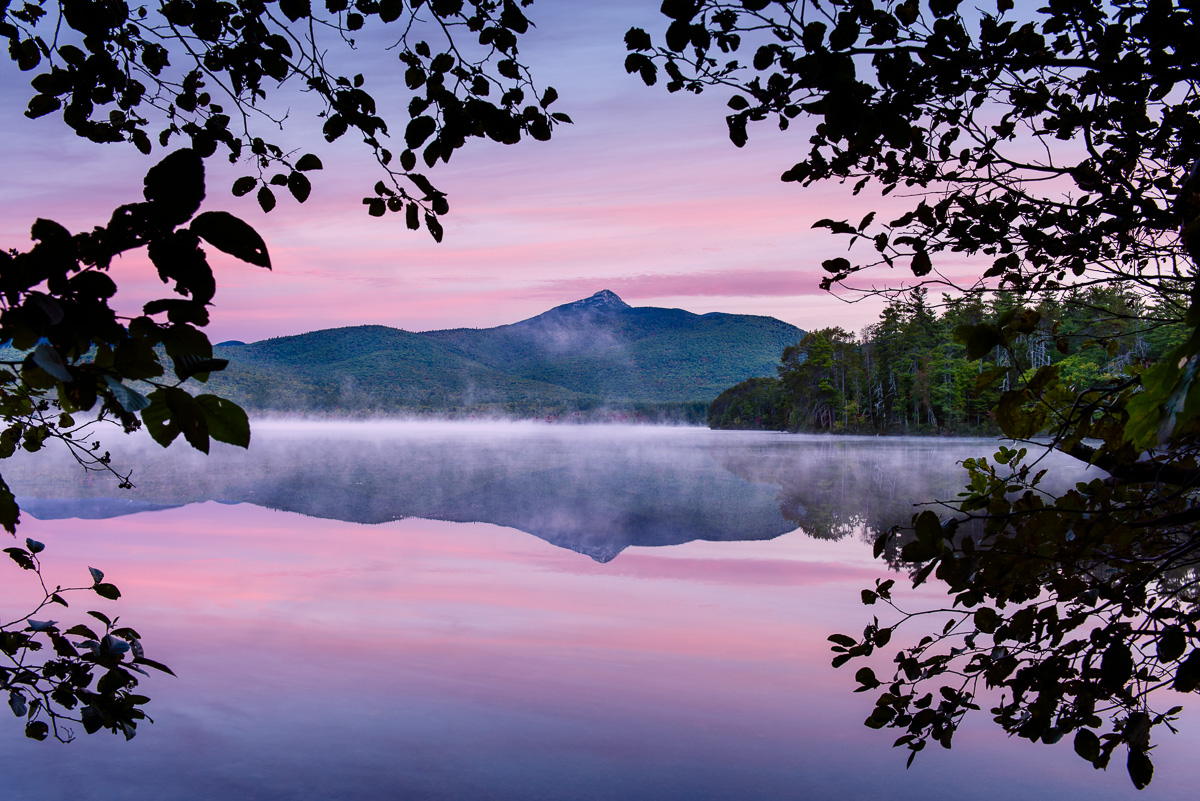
1057,149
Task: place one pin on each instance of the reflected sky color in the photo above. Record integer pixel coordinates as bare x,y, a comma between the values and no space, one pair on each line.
325,659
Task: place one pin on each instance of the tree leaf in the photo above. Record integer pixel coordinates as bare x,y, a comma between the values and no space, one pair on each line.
189,364
1087,744
299,186
1116,667
244,185
1187,676
233,236
47,358
227,422
1141,769
16,702
921,264
308,162
130,400
10,513
175,186
1171,644
141,660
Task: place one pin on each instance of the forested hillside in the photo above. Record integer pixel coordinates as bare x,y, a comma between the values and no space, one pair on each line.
908,373
594,356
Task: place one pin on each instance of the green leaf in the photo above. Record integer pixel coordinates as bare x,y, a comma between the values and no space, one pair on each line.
173,411
47,358
108,591
130,400
227,422
233,236
842,639
266,198
157,417
979,339
34,546
97,574
37,730
189,364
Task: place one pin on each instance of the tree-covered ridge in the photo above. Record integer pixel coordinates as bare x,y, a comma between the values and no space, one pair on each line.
909,373
578,357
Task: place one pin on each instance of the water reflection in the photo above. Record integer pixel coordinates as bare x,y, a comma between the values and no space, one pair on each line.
322,659
594,490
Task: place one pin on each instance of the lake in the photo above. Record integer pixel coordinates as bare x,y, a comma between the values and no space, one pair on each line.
509,611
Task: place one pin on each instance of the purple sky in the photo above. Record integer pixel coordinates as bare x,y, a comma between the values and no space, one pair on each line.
644,195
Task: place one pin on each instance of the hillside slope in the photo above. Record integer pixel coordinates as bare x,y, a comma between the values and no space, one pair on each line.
596,352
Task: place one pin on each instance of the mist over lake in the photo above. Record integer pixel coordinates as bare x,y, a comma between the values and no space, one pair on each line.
511,611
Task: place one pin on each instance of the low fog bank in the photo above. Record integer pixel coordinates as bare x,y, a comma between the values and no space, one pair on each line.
595,489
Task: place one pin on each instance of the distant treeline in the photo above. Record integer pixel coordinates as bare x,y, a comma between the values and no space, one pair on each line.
906,374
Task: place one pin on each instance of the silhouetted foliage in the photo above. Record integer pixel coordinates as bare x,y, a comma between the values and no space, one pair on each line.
1057,150
88,680
211,72
77,358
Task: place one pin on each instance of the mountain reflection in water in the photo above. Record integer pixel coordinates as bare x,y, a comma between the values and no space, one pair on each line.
594,490
318,659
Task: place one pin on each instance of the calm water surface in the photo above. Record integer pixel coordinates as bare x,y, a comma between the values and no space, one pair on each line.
509,612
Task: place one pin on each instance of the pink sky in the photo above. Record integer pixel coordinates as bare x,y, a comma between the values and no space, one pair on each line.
644,195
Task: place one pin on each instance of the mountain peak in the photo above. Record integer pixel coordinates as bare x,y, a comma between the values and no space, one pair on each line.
604,300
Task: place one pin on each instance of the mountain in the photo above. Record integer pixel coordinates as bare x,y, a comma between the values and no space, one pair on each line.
592,353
